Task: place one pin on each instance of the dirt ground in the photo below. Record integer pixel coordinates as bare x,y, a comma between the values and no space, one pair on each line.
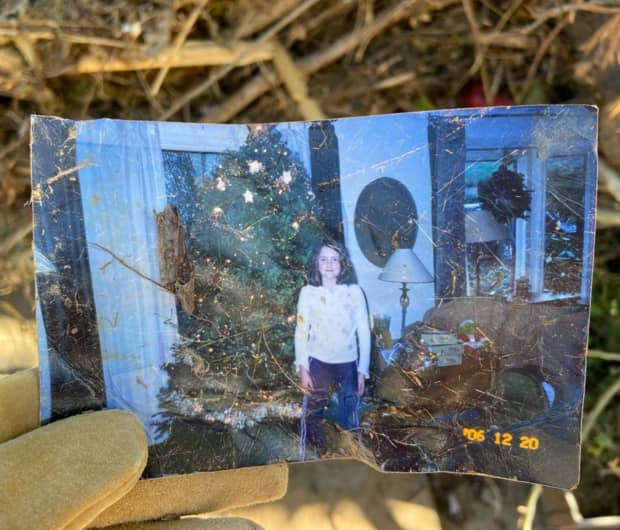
319,499
276,60
348,494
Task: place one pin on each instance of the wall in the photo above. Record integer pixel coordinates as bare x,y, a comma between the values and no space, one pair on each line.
393,146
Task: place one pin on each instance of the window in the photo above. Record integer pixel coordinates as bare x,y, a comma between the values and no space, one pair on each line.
184,172
564,224
490,259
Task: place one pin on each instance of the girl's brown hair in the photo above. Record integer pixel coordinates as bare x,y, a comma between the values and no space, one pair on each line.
347,274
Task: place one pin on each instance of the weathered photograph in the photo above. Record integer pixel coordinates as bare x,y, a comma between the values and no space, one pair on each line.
410,290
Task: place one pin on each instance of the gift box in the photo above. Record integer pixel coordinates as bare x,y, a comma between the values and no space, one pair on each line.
447,354
444,346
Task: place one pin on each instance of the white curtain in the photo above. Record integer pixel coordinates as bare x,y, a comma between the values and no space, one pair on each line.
45,390
122,186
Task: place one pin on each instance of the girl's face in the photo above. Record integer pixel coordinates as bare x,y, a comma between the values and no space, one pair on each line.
329,265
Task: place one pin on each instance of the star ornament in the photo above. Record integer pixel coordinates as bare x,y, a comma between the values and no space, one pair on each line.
248,196
254,166
286,177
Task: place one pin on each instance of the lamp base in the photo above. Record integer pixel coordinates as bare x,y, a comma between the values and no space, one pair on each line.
404,304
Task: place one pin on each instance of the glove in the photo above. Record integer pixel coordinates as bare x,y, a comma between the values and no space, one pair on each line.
83,471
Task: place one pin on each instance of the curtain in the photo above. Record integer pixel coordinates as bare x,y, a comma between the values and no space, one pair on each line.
122,186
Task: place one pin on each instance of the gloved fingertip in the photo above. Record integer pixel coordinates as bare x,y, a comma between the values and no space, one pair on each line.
19,403
192,523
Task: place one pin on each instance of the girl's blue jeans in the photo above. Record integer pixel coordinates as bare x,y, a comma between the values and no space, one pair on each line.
341,379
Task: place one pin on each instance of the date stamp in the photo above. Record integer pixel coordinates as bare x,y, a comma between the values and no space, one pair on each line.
503,439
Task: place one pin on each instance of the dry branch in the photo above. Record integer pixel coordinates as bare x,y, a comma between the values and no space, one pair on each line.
35,34
507,39
295,82
582,523
178,43
408,9
542,16
542,51
258,86
192,53
532,502
267,35
394,81
478,65
609,179
15,237
603,45
256,21
606,218
602,402
605,355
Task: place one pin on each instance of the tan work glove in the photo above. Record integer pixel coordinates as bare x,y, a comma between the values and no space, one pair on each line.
83,472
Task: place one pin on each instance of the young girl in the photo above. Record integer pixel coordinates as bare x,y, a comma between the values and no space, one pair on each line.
332,338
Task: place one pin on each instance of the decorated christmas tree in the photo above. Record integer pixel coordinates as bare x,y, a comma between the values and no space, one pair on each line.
255,224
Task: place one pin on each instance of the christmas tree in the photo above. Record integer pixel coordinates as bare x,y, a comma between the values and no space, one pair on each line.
256,222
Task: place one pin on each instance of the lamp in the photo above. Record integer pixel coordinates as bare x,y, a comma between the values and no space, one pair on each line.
482,228
405,267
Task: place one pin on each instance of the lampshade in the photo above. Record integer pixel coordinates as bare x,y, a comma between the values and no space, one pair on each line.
481,226
405,267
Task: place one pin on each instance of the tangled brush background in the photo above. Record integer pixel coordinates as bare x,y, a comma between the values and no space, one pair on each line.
259,61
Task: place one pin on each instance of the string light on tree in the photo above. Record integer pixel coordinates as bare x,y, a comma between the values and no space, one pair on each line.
255,166
220,184
286,177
